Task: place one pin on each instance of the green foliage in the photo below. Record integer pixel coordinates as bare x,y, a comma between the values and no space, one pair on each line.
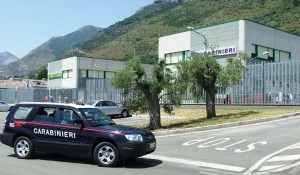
143,90
137,103
140,32
204,72
42,73
232,73
39,75
201,72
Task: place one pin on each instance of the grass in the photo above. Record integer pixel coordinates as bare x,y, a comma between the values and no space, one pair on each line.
197,117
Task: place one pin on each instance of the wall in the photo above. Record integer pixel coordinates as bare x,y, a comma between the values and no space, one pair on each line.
71,71
272,38
70,64
54,69
174,43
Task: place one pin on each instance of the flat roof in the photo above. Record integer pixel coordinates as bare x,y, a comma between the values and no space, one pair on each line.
225,22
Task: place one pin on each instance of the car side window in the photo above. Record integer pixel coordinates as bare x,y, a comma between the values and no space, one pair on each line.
22,113
99,104
110,103
105,103
45,115
66,116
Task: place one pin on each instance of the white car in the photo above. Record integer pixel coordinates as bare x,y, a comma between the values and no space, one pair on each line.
4,107
110,108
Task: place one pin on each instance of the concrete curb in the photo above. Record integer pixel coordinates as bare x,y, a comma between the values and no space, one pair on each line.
226,125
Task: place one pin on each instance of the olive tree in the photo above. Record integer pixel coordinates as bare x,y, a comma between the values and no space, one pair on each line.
205,73
148,91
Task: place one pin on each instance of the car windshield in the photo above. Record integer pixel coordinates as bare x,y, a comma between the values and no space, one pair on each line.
91,103
95,117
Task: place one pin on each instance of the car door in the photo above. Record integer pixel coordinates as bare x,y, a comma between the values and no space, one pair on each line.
113,108
71,137
42,128
104,107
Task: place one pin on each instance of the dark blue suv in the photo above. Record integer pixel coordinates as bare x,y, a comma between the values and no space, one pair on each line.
73,129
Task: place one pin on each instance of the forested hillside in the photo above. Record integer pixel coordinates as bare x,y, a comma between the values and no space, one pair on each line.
139,33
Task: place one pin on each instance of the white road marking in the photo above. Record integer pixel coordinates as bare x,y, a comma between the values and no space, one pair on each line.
284,158
207,173
261,161
286,167
266,168
197,163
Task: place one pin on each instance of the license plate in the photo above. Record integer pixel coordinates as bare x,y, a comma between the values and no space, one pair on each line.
152,145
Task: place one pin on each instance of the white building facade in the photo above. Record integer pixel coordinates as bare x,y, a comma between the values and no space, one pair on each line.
227,39
74,72
273,73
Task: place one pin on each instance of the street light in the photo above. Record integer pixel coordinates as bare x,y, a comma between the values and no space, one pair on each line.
205,40
264,53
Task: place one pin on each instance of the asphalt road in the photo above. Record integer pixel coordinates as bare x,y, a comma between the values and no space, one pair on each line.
271,148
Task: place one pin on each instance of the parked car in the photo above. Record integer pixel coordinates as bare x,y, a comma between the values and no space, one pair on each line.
110,108
4,107
73,129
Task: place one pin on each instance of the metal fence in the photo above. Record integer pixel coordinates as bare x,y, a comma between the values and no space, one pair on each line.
264,83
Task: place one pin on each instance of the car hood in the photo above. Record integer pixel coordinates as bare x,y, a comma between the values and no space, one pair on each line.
122,129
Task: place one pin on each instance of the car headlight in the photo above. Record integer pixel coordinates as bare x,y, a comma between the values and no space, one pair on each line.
134,137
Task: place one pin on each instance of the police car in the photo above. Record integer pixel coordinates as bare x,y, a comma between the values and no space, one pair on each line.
73,129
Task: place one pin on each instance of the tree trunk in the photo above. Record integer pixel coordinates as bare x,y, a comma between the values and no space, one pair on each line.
154,113
210,103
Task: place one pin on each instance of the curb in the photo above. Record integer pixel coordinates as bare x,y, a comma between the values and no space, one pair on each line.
226,125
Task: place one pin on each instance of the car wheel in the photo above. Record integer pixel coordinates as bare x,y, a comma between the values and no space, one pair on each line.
106,154
23,148
124,113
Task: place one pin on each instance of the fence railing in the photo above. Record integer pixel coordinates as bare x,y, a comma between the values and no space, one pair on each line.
263,83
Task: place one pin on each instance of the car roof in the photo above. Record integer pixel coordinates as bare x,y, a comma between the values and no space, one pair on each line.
56,104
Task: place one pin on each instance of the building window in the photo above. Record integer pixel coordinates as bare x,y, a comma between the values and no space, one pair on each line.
67,73
109,75
83,73
174,58
274,55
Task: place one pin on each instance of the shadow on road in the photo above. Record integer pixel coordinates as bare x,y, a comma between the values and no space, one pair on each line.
132,163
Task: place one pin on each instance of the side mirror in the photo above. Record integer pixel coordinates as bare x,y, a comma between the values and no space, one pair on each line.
79,122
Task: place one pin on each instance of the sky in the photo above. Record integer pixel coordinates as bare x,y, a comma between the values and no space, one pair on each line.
26,24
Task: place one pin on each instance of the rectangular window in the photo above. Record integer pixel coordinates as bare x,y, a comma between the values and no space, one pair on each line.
109,75
84,73
168,58
45,115
101,74
273,55
283,56
70,74
22,113
67,74
93,74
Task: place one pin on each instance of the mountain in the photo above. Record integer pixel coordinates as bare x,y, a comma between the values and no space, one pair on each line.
49,51
138,34
6,58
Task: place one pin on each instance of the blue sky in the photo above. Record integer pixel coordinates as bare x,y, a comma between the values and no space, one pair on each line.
26,24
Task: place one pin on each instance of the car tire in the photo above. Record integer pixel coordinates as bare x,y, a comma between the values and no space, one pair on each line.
124,113
23,148
106,154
